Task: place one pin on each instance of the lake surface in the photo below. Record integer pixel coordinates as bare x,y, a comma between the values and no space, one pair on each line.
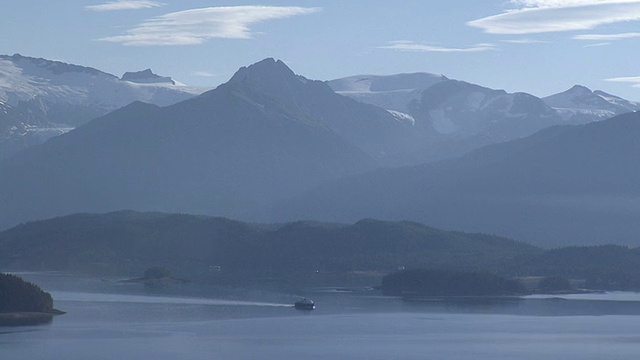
109,320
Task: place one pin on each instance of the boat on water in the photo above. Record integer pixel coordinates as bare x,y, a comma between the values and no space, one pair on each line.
304,304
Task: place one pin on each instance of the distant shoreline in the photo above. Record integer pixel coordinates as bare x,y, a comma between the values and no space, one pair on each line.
156,281
20,318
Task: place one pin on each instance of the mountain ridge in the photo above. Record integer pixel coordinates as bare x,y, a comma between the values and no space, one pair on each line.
222,152
455,117
198,243
580,99
43,98
572,184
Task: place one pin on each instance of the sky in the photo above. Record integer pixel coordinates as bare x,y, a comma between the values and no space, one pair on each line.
537,46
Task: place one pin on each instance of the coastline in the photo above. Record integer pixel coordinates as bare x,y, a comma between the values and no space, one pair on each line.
21,318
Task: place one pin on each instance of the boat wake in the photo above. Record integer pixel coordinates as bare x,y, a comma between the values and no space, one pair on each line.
101,297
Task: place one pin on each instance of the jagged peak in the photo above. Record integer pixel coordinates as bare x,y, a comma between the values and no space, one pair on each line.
146,77
146,73
574,91
580,89
270,64
268,70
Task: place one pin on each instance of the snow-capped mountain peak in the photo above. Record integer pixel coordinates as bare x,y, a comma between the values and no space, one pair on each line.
37,93
267,73
582,100
23,79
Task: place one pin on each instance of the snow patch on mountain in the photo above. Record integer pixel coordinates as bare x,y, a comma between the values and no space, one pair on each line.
441,122
393,92
40,133
403,117
582,100
618,101
594,114
384,83
24,79
45,94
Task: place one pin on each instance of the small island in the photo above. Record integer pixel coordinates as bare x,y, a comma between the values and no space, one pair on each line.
157,276
23,303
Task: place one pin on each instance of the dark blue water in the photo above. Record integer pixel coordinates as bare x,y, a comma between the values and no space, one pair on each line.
108,320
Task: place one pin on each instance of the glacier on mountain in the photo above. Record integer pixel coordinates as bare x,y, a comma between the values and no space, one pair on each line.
42,98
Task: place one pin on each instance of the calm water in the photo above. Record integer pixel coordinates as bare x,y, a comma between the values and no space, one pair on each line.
107,320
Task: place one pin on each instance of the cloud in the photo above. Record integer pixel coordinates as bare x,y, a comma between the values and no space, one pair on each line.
195,26
542,16
525,41
418,47
564,3
607,37
124,5
204,74
597,45
635,80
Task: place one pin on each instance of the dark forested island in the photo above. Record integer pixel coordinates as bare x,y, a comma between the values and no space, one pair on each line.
23,303
157,276
602,267
127,243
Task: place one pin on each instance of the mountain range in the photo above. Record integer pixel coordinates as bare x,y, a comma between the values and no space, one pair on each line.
265,134
456,117
572,184
580,101
42,98
128,242
272,145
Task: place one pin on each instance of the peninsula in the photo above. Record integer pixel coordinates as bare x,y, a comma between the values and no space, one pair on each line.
23,303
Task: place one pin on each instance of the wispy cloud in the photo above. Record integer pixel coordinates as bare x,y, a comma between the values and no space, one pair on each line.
542,16
195,26
564,3
525,41
124,5
607,37
597,45
635,80
420,47
204,74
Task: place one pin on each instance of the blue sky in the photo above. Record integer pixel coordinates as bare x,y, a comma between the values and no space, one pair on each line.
536,46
